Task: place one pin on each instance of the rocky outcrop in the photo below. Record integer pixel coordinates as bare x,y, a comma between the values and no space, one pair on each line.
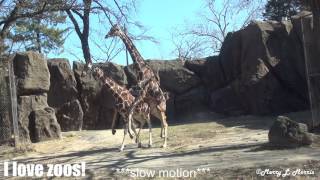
210,72
287,133
43,125
63,85
96,101
33,82
70,116
26,106
63,95
262,67
32,73
270,80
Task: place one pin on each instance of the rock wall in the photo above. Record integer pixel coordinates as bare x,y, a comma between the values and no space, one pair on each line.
63,95
261,67
260,70
37,121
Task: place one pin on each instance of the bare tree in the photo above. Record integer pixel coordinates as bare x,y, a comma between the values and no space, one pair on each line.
186,47
108,13
216,20
12,10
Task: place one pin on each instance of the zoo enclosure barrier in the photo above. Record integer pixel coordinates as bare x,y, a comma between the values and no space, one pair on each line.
9,130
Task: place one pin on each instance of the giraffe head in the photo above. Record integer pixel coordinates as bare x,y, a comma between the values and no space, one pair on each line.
97,73
114,31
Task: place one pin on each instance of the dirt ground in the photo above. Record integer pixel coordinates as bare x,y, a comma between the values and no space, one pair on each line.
206,146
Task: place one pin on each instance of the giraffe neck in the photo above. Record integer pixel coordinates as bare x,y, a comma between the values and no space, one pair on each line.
114,88
134,53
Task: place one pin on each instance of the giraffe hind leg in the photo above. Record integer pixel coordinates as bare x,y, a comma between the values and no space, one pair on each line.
165,128
125,131
137,140
147,118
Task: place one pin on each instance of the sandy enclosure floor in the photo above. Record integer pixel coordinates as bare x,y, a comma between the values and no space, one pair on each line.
211,147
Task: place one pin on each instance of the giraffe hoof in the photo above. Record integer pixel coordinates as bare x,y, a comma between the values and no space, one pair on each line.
164,146
131,136
149,145
120,149
113,131
139,145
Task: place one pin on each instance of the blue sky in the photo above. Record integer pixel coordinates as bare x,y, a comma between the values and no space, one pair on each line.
160,17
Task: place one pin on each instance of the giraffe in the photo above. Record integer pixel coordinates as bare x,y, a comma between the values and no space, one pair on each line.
124,100
155,97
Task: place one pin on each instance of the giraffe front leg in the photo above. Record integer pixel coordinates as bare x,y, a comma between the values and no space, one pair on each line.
165,129
138,140
114,117
162,132
150,133
125,131
130,124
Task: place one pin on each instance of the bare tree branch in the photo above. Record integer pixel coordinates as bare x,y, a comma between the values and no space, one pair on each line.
75,23
217,19
77,13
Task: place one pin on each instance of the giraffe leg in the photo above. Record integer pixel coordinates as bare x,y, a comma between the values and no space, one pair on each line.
130,124
150,131
165,128
138,140
137,136
114,117
138,100
162,132
125,131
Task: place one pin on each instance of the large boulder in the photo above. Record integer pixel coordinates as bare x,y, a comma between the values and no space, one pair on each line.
174,77
210,72
32,73
63,85
63,95
70,116
33,82
262,67
287,133
43,125
26,105
96,101
270,78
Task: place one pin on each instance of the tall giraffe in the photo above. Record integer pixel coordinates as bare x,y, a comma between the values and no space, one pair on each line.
124,100
155,97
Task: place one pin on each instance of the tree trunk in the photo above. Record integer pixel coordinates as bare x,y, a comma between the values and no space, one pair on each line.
38,37
86,49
